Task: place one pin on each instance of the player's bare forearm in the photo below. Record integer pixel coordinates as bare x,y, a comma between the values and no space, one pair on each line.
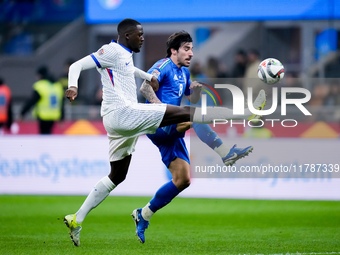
71,93
148,92
195,97
196,92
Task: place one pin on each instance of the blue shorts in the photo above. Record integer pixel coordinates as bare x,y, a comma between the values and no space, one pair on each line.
170,143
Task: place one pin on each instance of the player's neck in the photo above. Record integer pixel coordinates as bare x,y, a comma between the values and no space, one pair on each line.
175,60
123,43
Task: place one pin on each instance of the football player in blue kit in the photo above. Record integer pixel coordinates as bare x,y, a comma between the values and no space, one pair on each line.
174,82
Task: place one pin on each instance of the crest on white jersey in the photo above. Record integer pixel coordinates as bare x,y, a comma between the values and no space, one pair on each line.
100,52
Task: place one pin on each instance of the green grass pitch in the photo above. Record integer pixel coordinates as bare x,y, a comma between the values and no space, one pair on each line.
34,225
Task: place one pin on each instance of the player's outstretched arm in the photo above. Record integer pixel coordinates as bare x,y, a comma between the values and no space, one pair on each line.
74,73
147,76
147,91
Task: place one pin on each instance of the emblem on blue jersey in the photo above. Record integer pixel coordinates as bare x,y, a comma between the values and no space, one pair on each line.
175,78
155,73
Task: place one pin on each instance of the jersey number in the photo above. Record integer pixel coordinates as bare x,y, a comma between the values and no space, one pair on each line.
180,92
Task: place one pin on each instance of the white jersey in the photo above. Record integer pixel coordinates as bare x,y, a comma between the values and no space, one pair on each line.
115,65
123,117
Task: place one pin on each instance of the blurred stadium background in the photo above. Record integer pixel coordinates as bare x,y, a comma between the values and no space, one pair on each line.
303,35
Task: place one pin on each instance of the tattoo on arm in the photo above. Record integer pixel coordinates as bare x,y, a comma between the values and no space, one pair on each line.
148,93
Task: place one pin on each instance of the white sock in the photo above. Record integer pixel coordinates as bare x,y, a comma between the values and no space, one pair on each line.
146,212
215,113
222,150
100,191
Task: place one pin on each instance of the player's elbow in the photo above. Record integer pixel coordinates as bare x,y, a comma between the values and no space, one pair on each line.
74,71
182,183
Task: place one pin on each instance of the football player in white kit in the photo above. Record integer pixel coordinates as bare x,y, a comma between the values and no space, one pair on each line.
123,117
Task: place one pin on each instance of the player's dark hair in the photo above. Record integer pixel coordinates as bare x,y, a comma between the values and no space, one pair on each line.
126,24
176,40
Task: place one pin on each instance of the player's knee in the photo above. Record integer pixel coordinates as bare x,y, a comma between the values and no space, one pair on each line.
119,170
117,179
186,183
183,183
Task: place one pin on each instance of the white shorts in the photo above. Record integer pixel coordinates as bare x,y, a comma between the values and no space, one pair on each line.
124,125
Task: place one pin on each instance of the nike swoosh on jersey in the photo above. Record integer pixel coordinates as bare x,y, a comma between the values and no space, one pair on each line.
127,63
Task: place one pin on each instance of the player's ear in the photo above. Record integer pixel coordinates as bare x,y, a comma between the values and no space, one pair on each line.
173,52
127,36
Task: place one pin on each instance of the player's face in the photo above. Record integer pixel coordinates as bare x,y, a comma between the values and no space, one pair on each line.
184,54
136,39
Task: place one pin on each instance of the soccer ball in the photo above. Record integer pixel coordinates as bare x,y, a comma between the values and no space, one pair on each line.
270,71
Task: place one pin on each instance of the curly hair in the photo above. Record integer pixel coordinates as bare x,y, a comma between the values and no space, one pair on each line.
176,40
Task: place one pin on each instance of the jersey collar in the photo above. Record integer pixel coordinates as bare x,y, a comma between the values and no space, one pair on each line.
174,65
122,46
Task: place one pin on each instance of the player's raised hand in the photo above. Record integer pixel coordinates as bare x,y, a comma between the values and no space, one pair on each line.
71,93
195,85
196,89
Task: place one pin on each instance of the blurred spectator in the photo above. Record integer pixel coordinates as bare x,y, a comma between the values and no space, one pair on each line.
290,80
222,70
196,71
251,78
216,69
319,94
253,59
48,99
212,67
6,114
333,96
239,68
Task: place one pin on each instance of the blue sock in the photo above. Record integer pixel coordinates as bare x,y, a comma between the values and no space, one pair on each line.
163,196
207,135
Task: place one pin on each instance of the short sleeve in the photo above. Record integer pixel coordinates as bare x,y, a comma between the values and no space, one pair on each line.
105,56
156,72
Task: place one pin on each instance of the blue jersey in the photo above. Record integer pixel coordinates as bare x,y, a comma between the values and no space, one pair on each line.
173,81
